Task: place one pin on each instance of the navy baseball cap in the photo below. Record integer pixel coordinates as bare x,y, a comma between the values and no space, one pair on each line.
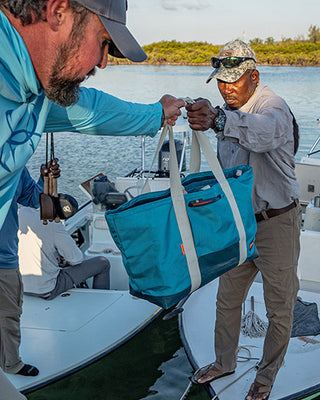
112,14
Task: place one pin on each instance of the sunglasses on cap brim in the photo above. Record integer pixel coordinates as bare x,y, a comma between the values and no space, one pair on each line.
229,62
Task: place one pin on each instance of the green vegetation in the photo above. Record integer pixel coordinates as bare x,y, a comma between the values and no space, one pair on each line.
314,34
288,51
180,52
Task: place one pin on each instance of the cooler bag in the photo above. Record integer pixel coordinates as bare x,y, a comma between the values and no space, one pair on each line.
174,241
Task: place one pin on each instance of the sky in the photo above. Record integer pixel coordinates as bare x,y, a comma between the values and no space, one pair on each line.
218,21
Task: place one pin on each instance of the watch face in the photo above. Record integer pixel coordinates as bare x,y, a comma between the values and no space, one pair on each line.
220,121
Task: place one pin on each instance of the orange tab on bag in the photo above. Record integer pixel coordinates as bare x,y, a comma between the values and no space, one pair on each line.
182,249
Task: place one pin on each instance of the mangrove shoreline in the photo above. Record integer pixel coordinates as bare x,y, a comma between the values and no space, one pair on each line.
300,53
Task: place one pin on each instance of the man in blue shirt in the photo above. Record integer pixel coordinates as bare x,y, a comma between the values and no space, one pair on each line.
40,79
47,49
11,289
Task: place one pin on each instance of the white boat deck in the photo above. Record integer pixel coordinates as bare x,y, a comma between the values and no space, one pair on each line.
64,334
299,373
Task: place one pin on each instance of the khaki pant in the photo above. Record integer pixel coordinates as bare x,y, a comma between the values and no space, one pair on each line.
11,294
277,242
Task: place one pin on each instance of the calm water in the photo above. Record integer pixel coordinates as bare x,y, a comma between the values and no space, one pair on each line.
82,156
153,365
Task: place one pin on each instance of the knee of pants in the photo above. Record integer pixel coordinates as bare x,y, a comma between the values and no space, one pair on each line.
10,322
280,306
105,263
281,315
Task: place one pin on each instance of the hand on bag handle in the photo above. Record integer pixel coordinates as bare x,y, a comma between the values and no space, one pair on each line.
201,141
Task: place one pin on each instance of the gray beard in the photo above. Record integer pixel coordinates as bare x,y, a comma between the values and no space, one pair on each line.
64,92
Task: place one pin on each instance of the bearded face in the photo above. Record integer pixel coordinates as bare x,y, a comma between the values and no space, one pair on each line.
65,78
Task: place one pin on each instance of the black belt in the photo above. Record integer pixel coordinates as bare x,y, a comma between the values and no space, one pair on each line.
266,214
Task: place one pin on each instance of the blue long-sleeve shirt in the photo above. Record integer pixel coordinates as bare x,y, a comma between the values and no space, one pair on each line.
27,194
26,112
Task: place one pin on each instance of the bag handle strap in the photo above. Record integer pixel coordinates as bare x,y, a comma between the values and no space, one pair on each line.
146,186
199,140
180,210
179,206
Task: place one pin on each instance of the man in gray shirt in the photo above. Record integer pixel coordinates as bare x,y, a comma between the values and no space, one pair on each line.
50,261
255,127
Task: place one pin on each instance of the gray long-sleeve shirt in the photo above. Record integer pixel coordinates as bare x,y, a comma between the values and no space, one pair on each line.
260,134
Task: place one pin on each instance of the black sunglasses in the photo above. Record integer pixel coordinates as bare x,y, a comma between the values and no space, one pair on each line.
229,62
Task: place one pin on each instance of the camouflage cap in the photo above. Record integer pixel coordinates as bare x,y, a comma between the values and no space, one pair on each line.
235,48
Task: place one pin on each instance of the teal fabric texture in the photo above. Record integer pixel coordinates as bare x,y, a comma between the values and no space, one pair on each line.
146,232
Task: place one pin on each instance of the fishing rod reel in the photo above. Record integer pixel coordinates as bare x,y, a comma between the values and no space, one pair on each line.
54,206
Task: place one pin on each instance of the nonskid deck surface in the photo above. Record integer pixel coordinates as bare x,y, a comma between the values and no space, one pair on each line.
299,372
74,329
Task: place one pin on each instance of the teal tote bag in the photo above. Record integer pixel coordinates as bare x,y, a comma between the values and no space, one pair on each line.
174,241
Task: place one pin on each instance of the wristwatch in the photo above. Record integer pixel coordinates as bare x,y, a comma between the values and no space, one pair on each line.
219,121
